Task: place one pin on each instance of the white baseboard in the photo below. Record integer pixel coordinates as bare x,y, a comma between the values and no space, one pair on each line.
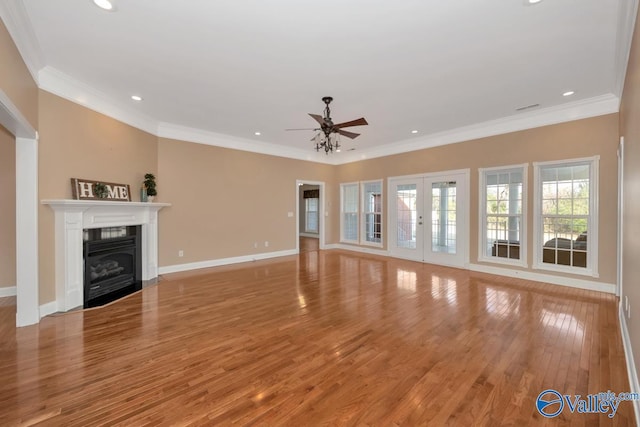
312,235
9,291
571,282
223,261
522,274
631,366
48,308
361,249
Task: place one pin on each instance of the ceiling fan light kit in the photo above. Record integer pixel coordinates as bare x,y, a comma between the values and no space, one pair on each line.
328,136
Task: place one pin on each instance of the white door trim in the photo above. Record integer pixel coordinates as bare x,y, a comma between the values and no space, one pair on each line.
464,212
27,268
620,246
322,213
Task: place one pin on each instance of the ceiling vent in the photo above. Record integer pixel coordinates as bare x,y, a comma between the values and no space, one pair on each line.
528,107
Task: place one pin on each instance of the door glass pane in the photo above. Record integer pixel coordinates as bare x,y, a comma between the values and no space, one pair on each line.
443,217
406,198
372,210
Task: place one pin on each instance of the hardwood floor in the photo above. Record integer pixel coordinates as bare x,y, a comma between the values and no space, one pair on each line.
308,244
323,338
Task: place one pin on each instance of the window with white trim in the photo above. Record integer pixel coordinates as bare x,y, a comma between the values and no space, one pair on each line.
566,213
349,212
311,215
502,220
372,213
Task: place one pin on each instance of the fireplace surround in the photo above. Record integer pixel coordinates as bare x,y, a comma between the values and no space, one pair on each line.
74,217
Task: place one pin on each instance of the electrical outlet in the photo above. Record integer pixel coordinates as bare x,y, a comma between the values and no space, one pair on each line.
290,214
255,245
266,243
626,303
180,253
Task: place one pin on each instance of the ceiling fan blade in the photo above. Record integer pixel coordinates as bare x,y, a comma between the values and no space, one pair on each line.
318,118
358,122
304,129
351,135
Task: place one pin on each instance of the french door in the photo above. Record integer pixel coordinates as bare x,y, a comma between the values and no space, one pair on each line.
429,218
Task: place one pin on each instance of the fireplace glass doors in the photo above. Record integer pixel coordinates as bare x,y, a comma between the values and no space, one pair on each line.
112,267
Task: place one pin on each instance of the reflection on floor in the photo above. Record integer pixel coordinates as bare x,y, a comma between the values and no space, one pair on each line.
321,338
309,244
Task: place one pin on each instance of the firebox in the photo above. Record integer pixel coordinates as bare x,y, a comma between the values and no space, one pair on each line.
112,264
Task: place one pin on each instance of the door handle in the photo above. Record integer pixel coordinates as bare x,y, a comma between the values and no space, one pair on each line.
420,223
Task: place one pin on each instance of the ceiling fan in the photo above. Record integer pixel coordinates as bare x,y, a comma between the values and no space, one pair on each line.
326,137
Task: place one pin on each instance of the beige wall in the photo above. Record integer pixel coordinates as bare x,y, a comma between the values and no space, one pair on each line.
583,138
15,80
630,129
76,142
7,209
223,201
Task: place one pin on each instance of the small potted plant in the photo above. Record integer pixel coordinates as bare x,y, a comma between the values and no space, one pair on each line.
150,186
100,190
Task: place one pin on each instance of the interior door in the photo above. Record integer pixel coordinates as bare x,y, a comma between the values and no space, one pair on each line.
429,218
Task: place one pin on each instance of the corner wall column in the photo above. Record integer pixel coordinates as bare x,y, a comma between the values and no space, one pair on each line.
27,292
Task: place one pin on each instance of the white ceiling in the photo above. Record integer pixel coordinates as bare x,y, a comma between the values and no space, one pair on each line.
218,71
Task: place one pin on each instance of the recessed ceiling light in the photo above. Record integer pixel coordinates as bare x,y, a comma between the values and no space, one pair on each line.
257,134
104,4
532,1
414,131
136,97
568,93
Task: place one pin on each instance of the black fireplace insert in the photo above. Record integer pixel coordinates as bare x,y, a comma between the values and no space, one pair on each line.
112,264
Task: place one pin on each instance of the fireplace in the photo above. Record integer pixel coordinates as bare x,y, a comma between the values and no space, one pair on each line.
74,219
112,264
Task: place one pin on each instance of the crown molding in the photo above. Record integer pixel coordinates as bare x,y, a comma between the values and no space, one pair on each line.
58,83
15,18
65,86
13,120
591,107
199,136
627,13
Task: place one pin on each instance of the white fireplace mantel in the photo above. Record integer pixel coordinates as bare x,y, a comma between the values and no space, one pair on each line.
74,216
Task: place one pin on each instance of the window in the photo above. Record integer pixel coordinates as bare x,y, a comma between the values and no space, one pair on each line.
349,213
311,215
502,223
361,219
566,213
372,213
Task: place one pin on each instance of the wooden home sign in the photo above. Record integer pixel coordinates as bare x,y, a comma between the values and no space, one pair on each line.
87,189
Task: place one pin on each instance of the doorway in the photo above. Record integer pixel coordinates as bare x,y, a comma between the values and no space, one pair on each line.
310,213
429,218
26,140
